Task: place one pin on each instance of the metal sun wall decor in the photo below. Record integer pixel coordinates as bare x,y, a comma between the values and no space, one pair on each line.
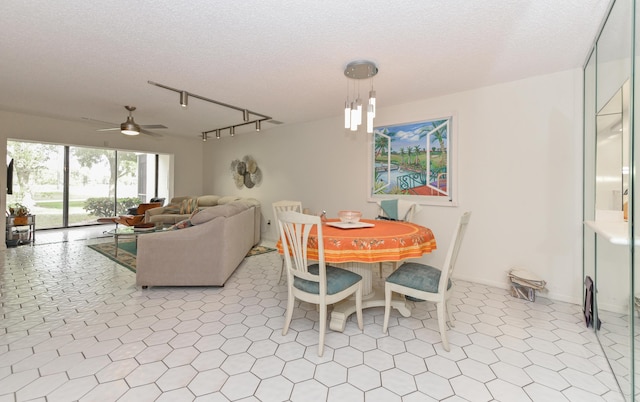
246,172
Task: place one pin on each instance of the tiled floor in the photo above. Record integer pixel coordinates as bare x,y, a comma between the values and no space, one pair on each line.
74,327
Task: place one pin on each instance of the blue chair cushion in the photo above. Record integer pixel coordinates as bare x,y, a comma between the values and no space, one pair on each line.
338,279
417,276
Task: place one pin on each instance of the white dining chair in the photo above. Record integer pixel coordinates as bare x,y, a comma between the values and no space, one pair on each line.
397,209
316,282
421,282
284,205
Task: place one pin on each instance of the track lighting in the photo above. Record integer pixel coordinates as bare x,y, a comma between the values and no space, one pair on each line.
204,136
358,70
184,99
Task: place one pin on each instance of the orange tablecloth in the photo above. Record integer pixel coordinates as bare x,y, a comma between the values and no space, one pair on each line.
387,241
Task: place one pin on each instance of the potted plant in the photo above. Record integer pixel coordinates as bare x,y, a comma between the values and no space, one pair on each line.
20,213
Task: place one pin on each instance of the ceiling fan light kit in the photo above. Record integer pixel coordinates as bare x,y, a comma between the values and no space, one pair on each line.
246,113
130,127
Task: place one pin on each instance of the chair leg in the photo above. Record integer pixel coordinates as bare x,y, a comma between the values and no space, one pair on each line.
281,271
380,265
323,328
359,306
451,324
442,325
387,308
287,319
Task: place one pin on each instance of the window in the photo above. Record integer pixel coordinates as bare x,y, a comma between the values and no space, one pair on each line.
72,186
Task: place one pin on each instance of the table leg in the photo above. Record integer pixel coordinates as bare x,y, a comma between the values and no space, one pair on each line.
372,297
115,239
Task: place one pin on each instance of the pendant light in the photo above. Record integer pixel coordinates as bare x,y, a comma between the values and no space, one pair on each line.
353,110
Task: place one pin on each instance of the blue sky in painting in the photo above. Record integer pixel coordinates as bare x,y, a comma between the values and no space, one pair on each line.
410,134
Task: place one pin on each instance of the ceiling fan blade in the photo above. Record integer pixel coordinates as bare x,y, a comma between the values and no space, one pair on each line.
150,133
99,121
109,129
153,126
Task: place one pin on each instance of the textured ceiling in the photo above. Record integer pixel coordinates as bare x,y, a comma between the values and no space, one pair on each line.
285,59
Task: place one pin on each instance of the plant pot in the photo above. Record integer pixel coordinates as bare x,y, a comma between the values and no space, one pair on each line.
20,220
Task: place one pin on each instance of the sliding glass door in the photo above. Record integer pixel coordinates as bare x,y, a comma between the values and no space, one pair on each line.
72,186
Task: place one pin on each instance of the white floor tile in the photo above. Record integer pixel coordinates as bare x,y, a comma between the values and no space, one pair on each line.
74,327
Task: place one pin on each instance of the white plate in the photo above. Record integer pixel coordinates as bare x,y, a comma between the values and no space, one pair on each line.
354,225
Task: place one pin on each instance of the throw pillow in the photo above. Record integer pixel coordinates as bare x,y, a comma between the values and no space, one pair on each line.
182,225
188,206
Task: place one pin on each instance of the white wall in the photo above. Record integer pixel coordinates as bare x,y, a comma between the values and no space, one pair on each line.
519,171
186,154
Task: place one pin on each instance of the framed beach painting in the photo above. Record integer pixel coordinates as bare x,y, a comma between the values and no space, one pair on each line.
414,161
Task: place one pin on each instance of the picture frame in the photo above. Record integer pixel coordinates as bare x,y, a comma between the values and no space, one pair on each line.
414,161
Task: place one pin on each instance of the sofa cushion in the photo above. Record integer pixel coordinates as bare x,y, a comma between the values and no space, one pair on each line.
227,199
188,206
207,214
208,200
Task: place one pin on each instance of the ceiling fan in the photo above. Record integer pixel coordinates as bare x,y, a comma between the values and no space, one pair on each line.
130,127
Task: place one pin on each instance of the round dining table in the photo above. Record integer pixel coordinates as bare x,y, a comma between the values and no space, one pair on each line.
358,246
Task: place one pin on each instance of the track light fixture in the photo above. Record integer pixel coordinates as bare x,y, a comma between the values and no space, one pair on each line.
353,110
204,136
246,113
232,129
184,99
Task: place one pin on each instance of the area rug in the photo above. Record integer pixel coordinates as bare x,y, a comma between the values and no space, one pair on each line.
257,250
127,252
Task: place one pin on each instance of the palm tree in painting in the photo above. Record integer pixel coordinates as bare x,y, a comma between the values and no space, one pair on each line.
381,144
409,152
401,156
417,151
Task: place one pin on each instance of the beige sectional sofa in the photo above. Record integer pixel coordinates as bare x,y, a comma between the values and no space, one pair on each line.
176,210
204,254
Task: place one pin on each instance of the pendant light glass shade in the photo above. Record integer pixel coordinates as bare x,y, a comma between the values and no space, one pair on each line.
370,118
354,117
372,101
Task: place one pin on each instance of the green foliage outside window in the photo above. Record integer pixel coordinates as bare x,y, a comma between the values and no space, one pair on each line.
103,206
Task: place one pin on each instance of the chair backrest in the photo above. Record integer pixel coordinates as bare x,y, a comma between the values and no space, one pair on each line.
454,249
285,205
404,210
295,228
